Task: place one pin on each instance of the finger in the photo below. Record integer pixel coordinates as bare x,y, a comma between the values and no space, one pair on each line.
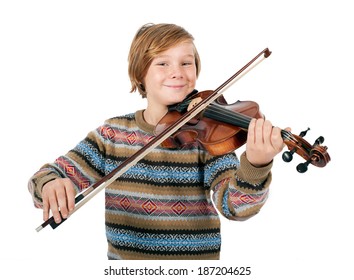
45,208
62,202
267,132
277,140
54,208
70,195
259,139
250,134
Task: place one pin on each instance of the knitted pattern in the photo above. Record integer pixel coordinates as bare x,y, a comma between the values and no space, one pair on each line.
162,207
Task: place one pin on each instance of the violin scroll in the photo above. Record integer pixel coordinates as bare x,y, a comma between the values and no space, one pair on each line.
315,154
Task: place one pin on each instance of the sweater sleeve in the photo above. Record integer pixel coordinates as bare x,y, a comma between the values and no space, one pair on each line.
239,193
83,165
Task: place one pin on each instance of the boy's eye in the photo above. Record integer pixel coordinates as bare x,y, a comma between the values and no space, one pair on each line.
166,64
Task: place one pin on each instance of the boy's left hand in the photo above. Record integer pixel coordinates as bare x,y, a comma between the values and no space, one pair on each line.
264,142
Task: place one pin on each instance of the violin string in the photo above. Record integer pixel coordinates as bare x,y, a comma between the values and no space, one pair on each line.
225,115
238,119
288,135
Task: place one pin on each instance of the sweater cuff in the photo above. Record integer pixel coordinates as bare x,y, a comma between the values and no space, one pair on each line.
251,174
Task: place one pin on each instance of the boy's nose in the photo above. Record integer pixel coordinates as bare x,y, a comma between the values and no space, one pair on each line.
176,72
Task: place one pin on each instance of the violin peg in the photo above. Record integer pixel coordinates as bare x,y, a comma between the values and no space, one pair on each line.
303,133
302,167
319,141
288,155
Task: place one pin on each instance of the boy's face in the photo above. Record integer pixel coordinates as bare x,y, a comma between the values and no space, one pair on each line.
171,75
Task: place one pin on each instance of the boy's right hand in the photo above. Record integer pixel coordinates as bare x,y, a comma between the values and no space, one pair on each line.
58,195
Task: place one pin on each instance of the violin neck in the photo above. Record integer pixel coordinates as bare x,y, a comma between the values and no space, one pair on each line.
219,113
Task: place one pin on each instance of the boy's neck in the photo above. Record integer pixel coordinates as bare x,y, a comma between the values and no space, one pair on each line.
152,116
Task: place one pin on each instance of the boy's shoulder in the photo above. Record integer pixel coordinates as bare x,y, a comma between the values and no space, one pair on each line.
120,120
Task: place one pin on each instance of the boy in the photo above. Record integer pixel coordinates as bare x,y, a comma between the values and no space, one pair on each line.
162,207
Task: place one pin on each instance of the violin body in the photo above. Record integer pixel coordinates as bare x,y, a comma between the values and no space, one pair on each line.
213,130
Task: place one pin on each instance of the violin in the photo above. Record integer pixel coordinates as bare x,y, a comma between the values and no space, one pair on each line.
220,128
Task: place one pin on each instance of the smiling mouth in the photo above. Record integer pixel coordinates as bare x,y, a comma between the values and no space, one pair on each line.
175,86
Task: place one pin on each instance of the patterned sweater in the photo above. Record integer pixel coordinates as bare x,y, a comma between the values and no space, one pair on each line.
164,206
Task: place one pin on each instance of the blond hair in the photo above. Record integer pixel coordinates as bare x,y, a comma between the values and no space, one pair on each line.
149,42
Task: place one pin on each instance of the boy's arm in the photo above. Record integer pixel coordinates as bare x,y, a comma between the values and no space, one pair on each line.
242,194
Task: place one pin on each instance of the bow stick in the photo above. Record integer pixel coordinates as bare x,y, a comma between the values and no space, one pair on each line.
91,191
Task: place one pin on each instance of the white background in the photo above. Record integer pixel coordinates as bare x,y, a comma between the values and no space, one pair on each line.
63,71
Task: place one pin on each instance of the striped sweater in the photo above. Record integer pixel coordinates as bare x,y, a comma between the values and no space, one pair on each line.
166,206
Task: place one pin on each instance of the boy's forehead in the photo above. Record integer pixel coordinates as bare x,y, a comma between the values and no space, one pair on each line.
185,48
165,55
